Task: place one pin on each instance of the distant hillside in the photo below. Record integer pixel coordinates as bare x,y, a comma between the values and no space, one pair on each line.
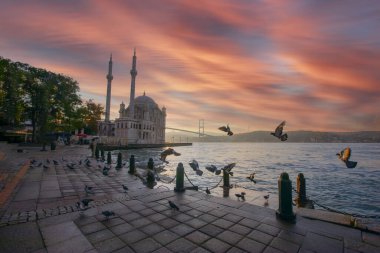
293,136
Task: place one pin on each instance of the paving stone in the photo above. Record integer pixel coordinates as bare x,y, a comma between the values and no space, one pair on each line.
113,222
181,245
131,217
60,232
371,238
92,227
230,237
270,249
236,250
122,228
250,245
182,229
146,245
259,236
217,213
194,213
223,223
165,237
205,209
162,250
168,223
268,229
74,244
20,238
318,243
232,217
284,245
147,212
211,230
152,229
125,249
140,222
132,236
182,217
100,236
156,217
109,245
249,223
197,237
196,223
160,208
215,245
208,218
291,237
243,230
200,250
352,244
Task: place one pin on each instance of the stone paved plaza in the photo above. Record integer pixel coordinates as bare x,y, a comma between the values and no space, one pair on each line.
40,215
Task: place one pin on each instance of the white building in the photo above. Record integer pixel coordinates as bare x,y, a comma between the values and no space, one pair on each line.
142,122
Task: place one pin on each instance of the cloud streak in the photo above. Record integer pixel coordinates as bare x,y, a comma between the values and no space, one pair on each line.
251,64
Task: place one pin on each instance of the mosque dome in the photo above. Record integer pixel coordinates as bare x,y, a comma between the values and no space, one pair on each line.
145,100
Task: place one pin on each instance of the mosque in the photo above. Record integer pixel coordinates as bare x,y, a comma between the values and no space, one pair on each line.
142,122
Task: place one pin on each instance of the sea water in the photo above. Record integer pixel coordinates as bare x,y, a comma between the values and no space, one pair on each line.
328,181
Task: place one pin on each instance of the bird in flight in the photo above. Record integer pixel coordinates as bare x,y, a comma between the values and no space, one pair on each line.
167,152
226,129
251,177
278,132
345,155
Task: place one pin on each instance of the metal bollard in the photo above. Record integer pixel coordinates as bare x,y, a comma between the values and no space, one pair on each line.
150,164
97,151
301,191
132,166
179,178
52,145
109,160
102,154
119,161
226,179
285,207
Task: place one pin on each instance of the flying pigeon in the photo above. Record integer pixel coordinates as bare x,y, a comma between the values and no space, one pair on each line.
345,155
226,129
211,168
228,168
39,165
167,152
55,162
252,177
125,188
194,165
108,214
173,206
45,166
278,132
70,166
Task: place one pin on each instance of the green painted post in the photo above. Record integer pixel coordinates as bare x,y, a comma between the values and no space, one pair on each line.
102,154
179,178
132,165
109,160
97,152
301,190
226,179
119,161
150,164
285,207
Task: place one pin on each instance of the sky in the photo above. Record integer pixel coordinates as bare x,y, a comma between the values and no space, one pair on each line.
249,64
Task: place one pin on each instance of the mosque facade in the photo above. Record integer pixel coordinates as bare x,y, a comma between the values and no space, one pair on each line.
141,122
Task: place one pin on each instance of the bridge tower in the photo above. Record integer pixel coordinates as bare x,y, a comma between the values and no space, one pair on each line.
201,127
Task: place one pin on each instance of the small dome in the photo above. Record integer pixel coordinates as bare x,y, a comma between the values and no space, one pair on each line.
143,100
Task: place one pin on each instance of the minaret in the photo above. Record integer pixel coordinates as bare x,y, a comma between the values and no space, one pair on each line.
133,75
109,80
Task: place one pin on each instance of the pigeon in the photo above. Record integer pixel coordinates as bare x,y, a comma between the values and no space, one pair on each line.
228,168
70,166
345,155
80,162
252,177
55,162
218,171
194,165
125,188
88,189
208,191
278,132
167,152
266,197
45,166
47,161
173,206
33,161
106,171
39,165
83,204
211,168
226,129
88,163
108,214
241,195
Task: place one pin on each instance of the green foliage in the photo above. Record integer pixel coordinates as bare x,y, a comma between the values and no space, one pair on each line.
48,100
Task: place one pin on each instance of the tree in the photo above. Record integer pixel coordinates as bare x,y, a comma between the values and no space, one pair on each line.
92,114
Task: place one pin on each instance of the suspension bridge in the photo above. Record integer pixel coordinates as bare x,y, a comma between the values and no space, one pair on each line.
201,129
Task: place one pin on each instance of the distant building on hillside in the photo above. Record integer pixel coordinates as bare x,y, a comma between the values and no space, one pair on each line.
142,122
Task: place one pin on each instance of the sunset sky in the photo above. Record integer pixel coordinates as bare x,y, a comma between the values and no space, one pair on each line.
252,64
